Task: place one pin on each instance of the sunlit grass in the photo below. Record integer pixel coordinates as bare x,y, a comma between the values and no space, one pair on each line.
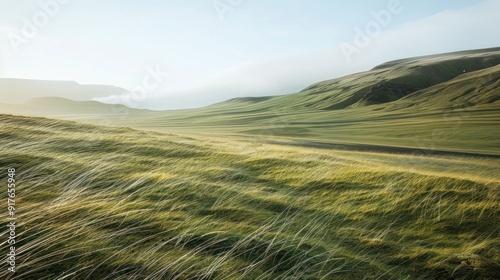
114,203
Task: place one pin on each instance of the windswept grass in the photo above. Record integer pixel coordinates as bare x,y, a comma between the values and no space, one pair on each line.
115,203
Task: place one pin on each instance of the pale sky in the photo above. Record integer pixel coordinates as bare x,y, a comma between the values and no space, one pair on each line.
188,53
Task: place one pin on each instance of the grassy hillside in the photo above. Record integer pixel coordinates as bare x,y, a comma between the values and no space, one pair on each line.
445,102
98,202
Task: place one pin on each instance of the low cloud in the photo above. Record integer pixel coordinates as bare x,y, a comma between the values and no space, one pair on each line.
444,32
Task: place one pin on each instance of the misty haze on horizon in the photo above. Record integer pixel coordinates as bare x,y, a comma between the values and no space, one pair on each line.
196,53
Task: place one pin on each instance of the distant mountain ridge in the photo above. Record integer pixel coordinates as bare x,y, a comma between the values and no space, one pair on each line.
58,107
21,90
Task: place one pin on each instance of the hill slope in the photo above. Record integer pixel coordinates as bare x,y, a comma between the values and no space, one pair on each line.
433,103
442,102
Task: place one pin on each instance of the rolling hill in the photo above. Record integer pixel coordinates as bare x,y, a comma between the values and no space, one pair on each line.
430,103
439,102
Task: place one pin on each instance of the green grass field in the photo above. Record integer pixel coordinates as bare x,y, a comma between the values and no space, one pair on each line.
97,202
392,173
